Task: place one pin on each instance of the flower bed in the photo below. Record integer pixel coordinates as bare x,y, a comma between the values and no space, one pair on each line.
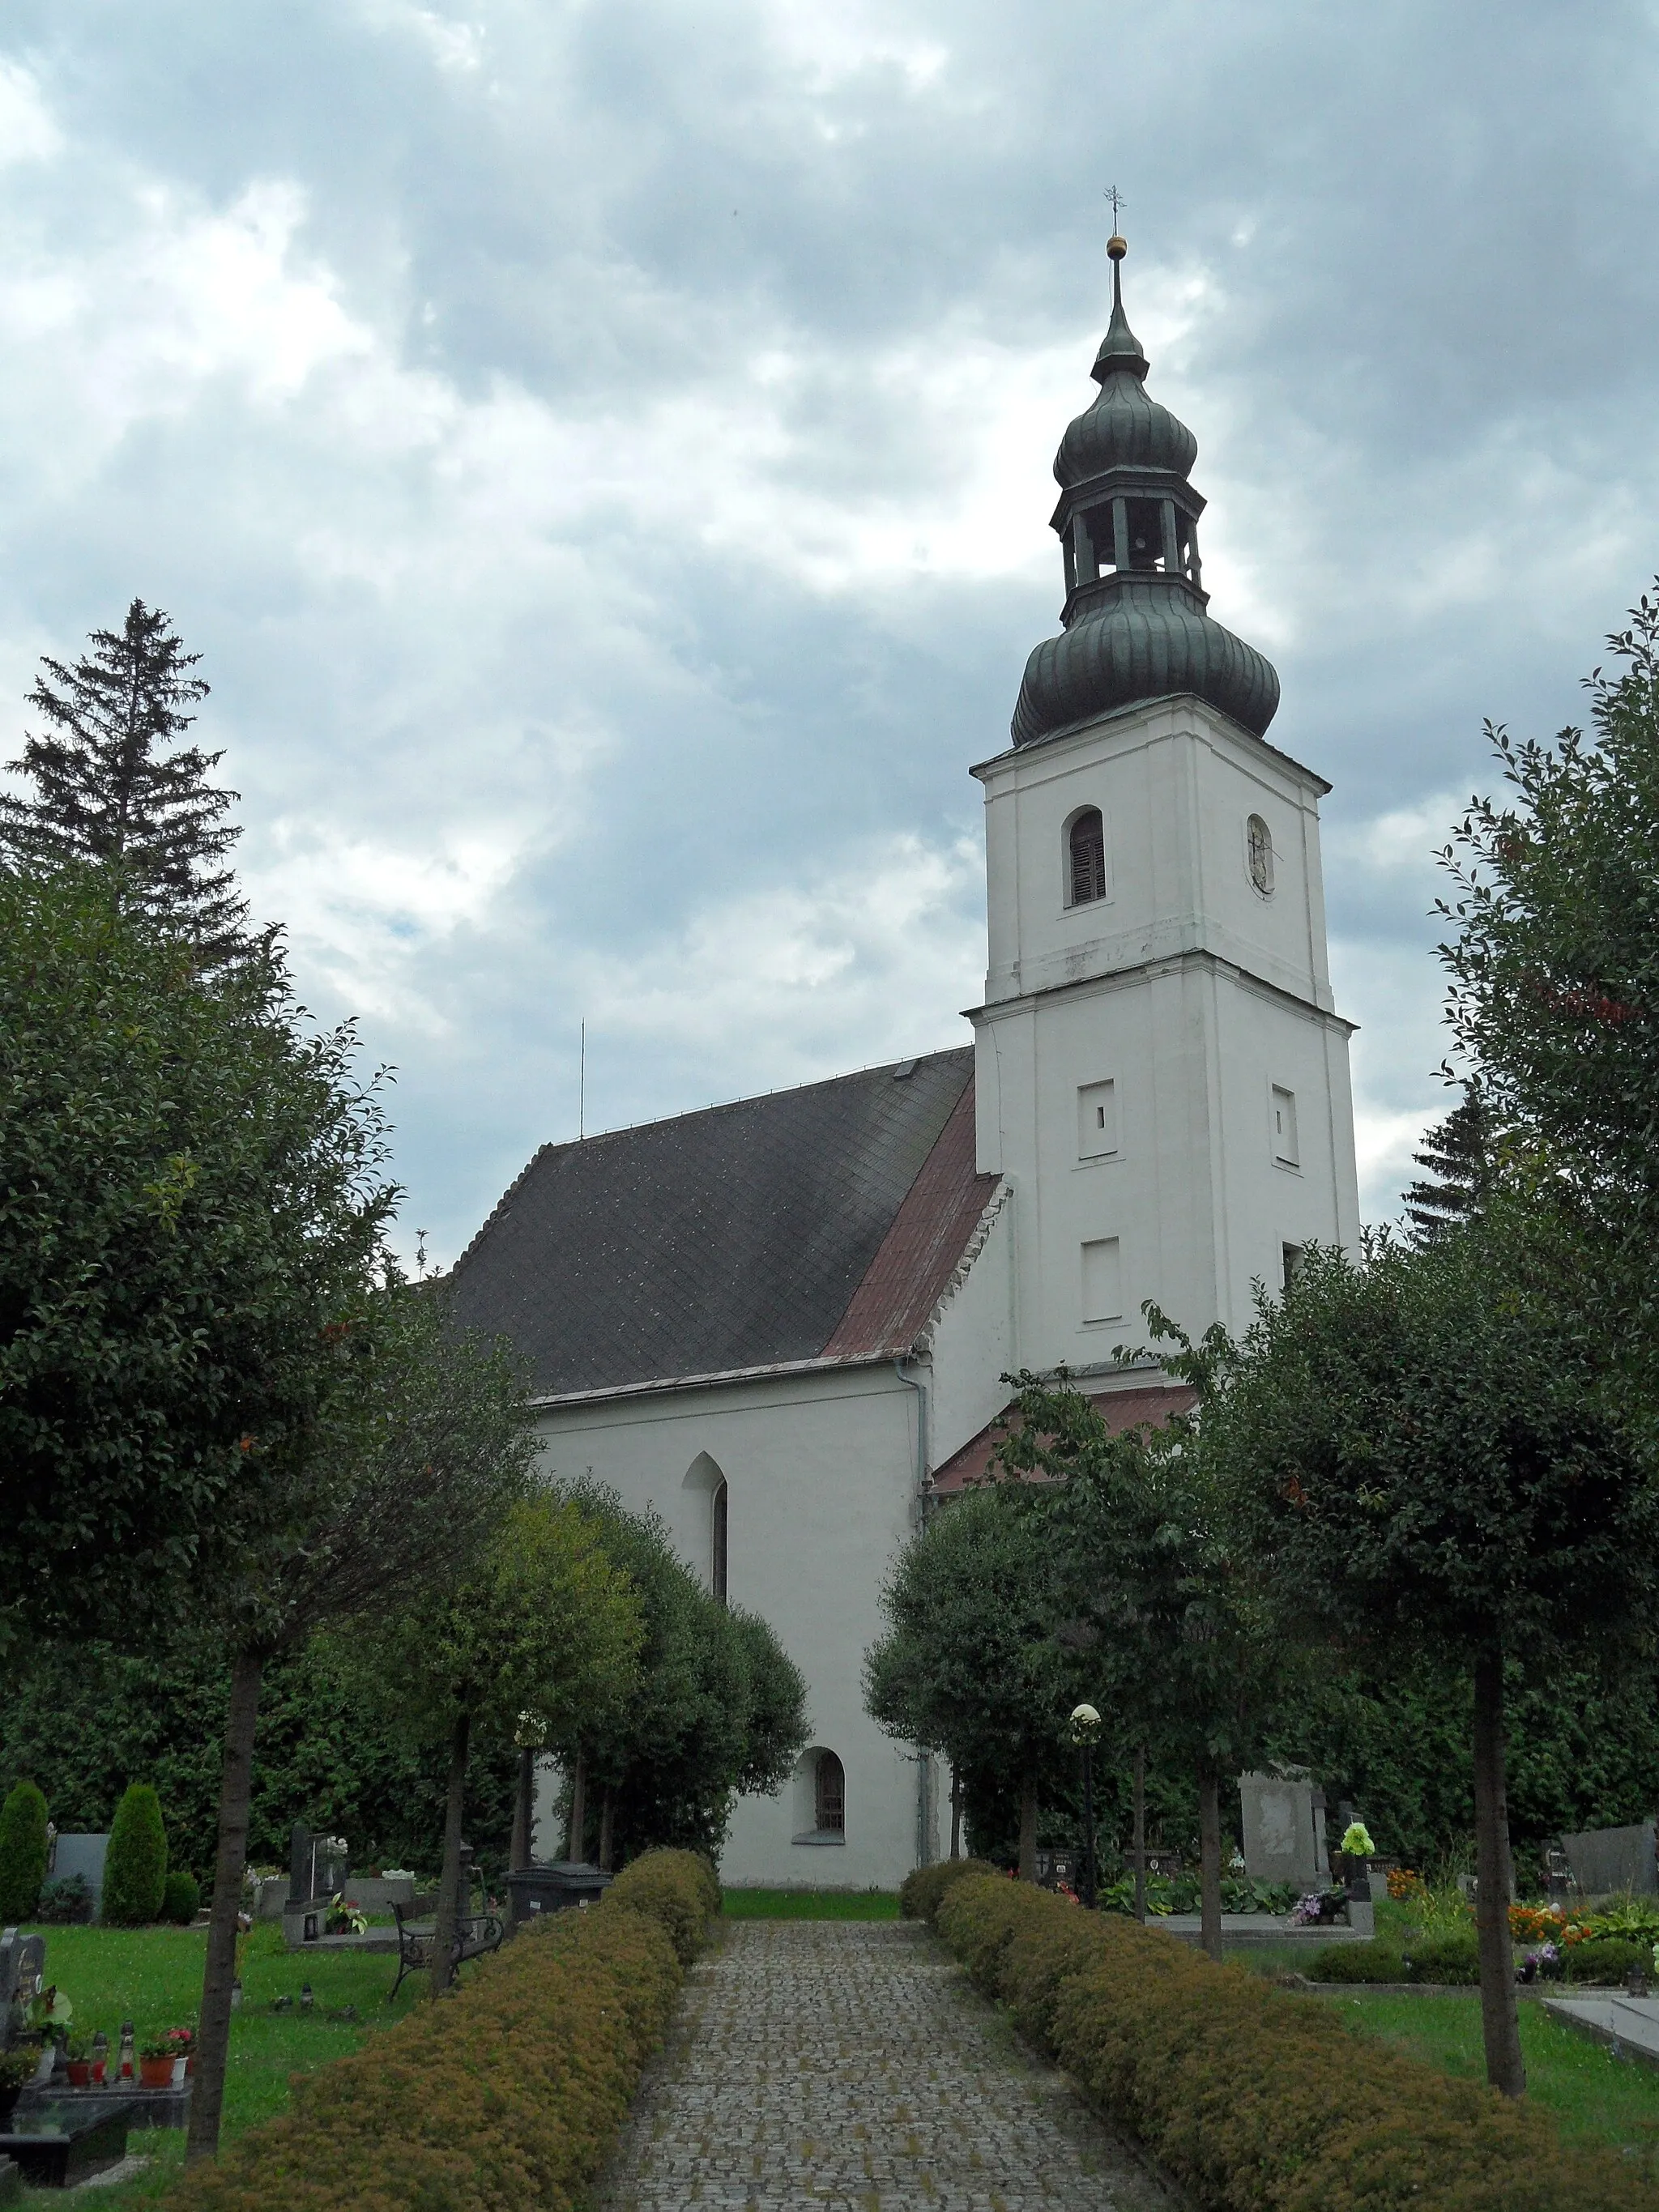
507,2093
1258,2101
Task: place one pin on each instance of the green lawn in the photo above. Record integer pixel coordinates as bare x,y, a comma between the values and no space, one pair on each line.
812,1905
1595,2096
153,1976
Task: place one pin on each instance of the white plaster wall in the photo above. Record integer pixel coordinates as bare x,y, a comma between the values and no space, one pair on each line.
821,1476
973,1343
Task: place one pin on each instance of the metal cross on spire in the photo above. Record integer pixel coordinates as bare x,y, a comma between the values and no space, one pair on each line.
1118,203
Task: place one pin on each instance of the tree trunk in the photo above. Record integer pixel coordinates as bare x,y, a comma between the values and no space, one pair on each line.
607,1815
235,1794
1209,1853
1027,1819
1140,1836
578,1810
449,1882
524,1797
1500,2021
955,1815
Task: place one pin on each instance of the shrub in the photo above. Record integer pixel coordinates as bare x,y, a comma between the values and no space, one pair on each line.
22,1852
1453,1958
679,1889
509,2091
66,1903
1606,1959
1377,1961
135,1862
1258,2101
919,1893
181,1898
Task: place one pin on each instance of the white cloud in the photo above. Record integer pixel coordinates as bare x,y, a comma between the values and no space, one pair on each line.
28,131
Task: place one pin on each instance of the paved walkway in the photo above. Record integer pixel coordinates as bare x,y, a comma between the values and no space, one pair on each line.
849,2063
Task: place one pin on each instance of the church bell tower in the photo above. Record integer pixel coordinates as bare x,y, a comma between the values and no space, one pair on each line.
1162,1078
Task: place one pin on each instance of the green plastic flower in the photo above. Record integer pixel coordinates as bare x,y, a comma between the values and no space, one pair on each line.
1357,1840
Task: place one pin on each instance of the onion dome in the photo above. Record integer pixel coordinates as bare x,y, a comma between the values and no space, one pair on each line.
1134,622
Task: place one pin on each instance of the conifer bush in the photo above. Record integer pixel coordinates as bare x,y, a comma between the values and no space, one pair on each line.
22,1852
507,2093
921,1891
1257,2101
181,1899
136,1862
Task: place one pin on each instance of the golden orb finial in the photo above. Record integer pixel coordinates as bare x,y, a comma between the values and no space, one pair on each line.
1116,247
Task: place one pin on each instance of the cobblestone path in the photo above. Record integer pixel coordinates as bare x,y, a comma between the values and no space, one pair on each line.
847,2063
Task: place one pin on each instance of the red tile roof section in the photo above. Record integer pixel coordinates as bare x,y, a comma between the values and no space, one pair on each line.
922,1248
1123,1409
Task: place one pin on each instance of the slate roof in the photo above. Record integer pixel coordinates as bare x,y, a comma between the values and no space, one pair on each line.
821,1224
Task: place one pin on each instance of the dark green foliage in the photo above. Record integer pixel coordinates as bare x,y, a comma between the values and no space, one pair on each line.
1378,1961
136,1863
114,785
86,1717
1451,1957
181,1899
970,1664
1555,963
1458,1154
65,1903
1606,1959
1584,1752
719,1707
22,1852
191,1198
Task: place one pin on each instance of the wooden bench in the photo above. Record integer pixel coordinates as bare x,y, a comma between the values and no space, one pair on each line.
417,1936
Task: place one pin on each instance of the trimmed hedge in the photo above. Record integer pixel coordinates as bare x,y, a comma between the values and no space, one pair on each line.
1257,2101
921,1892
23,1852
181,1898
505,2093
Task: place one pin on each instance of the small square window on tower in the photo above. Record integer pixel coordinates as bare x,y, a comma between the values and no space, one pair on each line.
1096,1121
1284,1128
1102,1280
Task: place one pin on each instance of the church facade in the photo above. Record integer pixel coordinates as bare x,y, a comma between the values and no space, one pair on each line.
784,1322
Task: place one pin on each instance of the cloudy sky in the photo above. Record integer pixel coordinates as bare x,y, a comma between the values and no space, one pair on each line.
601,449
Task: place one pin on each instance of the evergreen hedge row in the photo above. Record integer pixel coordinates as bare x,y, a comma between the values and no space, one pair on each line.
509,2093
1257,2101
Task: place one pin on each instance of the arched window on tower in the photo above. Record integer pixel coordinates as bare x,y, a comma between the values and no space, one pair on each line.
1262,855
831,1789
1086,852
717,1551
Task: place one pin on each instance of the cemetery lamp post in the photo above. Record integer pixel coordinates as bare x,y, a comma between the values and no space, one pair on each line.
1086,1732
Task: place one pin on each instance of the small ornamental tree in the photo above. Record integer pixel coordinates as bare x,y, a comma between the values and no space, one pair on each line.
136,1860
1424,1465
718,1707
22,1852
542,1623
1162,1602
972,1664
114,785
189,1197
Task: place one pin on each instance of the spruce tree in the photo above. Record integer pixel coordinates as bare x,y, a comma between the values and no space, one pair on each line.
114,785
1457,1153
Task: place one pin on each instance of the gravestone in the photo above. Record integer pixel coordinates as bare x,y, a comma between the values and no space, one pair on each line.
22,1977
82,1855
317,1871
1283,1838
1603,1860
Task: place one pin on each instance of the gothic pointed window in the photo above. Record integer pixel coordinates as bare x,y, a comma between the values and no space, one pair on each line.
1086,852
717,1560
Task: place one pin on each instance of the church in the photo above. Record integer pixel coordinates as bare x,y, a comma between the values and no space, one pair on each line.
784,1322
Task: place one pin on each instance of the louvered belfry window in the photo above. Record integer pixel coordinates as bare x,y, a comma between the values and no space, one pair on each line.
1088,857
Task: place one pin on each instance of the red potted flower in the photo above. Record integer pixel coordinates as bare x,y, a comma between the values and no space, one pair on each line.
156,2057
182,2043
